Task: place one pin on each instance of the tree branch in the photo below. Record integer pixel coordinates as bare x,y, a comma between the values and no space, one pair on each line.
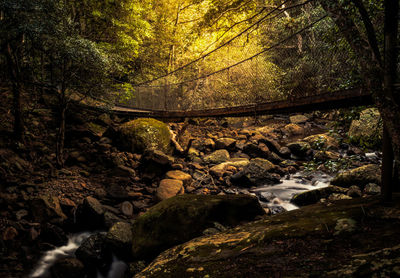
369,29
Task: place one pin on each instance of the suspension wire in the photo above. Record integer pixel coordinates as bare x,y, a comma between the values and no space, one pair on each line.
214,50
247,59
143,84
232,26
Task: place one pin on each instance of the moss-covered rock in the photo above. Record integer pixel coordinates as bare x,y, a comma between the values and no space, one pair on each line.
299,243
138,135
359,176
380,263
326,155
367,130
313,196
181,218
322,141
299,148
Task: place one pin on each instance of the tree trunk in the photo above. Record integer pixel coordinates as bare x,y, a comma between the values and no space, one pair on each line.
17,107
14,75
61,137
391,127
379,80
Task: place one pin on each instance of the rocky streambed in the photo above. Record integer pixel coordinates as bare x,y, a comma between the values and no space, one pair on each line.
124,178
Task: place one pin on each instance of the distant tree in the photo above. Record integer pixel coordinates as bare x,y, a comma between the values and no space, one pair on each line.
66,48
15,31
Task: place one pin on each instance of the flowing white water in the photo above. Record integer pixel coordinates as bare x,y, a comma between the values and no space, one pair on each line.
279,195
117,268
47,261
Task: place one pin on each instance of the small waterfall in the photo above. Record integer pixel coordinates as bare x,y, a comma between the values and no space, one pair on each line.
117,268
47,261
279,195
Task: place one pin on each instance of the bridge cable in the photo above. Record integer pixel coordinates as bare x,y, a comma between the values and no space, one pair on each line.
212,51
245,60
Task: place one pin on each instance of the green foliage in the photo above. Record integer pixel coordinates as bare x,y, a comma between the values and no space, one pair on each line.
99,47
367,131
331,166
345,116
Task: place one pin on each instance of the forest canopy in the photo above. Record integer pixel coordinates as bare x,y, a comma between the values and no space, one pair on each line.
119,48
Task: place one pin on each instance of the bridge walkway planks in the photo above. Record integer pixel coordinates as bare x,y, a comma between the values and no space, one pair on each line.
333,100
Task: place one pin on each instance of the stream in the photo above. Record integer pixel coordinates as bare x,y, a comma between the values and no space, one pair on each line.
42,270
277,197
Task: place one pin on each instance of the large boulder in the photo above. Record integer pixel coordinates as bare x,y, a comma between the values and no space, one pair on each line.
367,130
289,245
258,172
181,218
360,176
141,134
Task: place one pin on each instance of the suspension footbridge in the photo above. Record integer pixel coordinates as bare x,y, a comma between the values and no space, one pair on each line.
297,71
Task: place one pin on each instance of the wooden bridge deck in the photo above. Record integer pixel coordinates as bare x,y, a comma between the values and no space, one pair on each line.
332,100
